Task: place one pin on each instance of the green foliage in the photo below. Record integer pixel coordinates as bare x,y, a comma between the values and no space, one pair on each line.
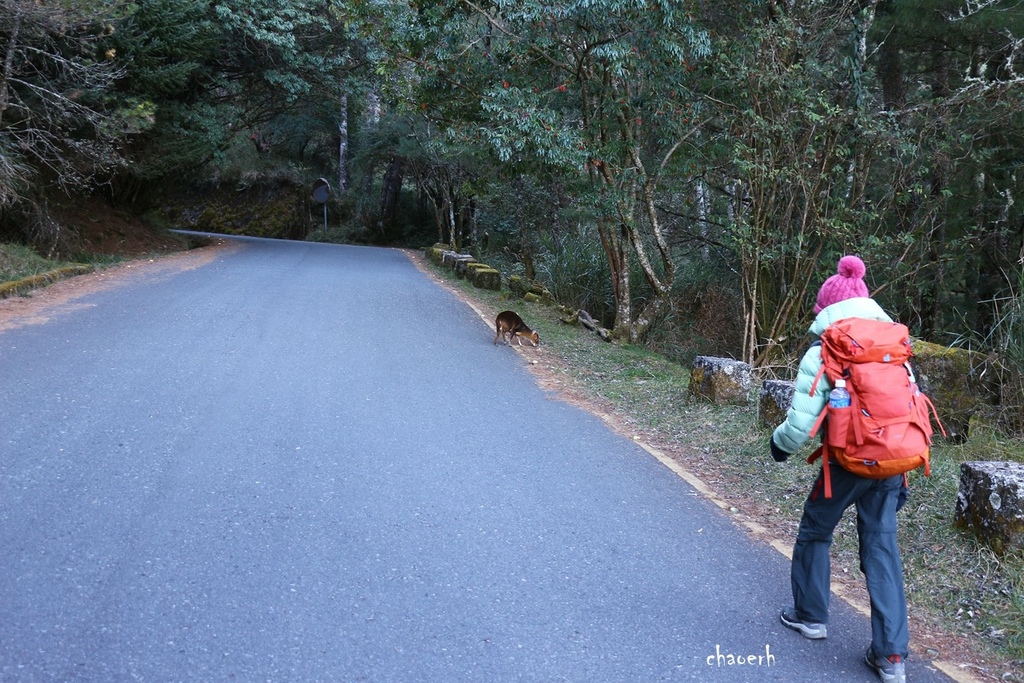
281,50
803,150
1006,342
946,75
585,90
763,139
198,74
169,48
574,269
844,132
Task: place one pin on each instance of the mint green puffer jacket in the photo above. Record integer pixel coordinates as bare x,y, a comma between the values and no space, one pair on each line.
805,409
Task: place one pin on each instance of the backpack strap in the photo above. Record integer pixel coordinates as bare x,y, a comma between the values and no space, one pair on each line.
818,422
933,412
814,386
821,370
819,452
858,427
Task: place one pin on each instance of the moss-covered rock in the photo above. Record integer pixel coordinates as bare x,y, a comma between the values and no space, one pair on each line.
451,259
990,503
958,381
484,278
720,380
530,290
776,398
462,265
435,254
472,266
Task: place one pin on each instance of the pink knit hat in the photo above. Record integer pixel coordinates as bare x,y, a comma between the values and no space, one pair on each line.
847,283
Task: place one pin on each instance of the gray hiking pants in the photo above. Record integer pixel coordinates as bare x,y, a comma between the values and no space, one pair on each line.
876,501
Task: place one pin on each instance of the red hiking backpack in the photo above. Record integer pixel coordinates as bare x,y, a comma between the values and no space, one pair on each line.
887,428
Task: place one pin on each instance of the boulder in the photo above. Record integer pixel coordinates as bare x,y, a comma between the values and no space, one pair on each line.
470,268
450,259
484,278
990,503
530,290
518,285
776,397
571,316
720,380
435,253
958,381
462,264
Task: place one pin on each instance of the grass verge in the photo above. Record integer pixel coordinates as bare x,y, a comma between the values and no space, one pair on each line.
19,262
966,603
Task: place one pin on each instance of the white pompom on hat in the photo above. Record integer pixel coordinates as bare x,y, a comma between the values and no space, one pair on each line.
847,283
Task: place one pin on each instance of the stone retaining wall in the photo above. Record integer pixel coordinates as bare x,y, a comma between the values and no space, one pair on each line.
465,266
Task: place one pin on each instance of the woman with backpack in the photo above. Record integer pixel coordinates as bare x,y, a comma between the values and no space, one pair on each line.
844,296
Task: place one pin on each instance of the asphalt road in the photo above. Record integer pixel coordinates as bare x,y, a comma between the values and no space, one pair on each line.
307,462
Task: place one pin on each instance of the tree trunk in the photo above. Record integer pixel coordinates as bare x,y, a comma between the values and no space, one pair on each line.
372,109
343,146
661,286
614,240
12,47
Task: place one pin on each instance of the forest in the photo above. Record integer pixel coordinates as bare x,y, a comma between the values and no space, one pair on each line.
686,172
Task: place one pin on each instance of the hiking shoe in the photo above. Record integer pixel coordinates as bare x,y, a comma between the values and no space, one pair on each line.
805,628
890,670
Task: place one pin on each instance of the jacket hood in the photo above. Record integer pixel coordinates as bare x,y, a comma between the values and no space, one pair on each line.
858,307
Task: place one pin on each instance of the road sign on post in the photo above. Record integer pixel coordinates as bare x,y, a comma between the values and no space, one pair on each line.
321,192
